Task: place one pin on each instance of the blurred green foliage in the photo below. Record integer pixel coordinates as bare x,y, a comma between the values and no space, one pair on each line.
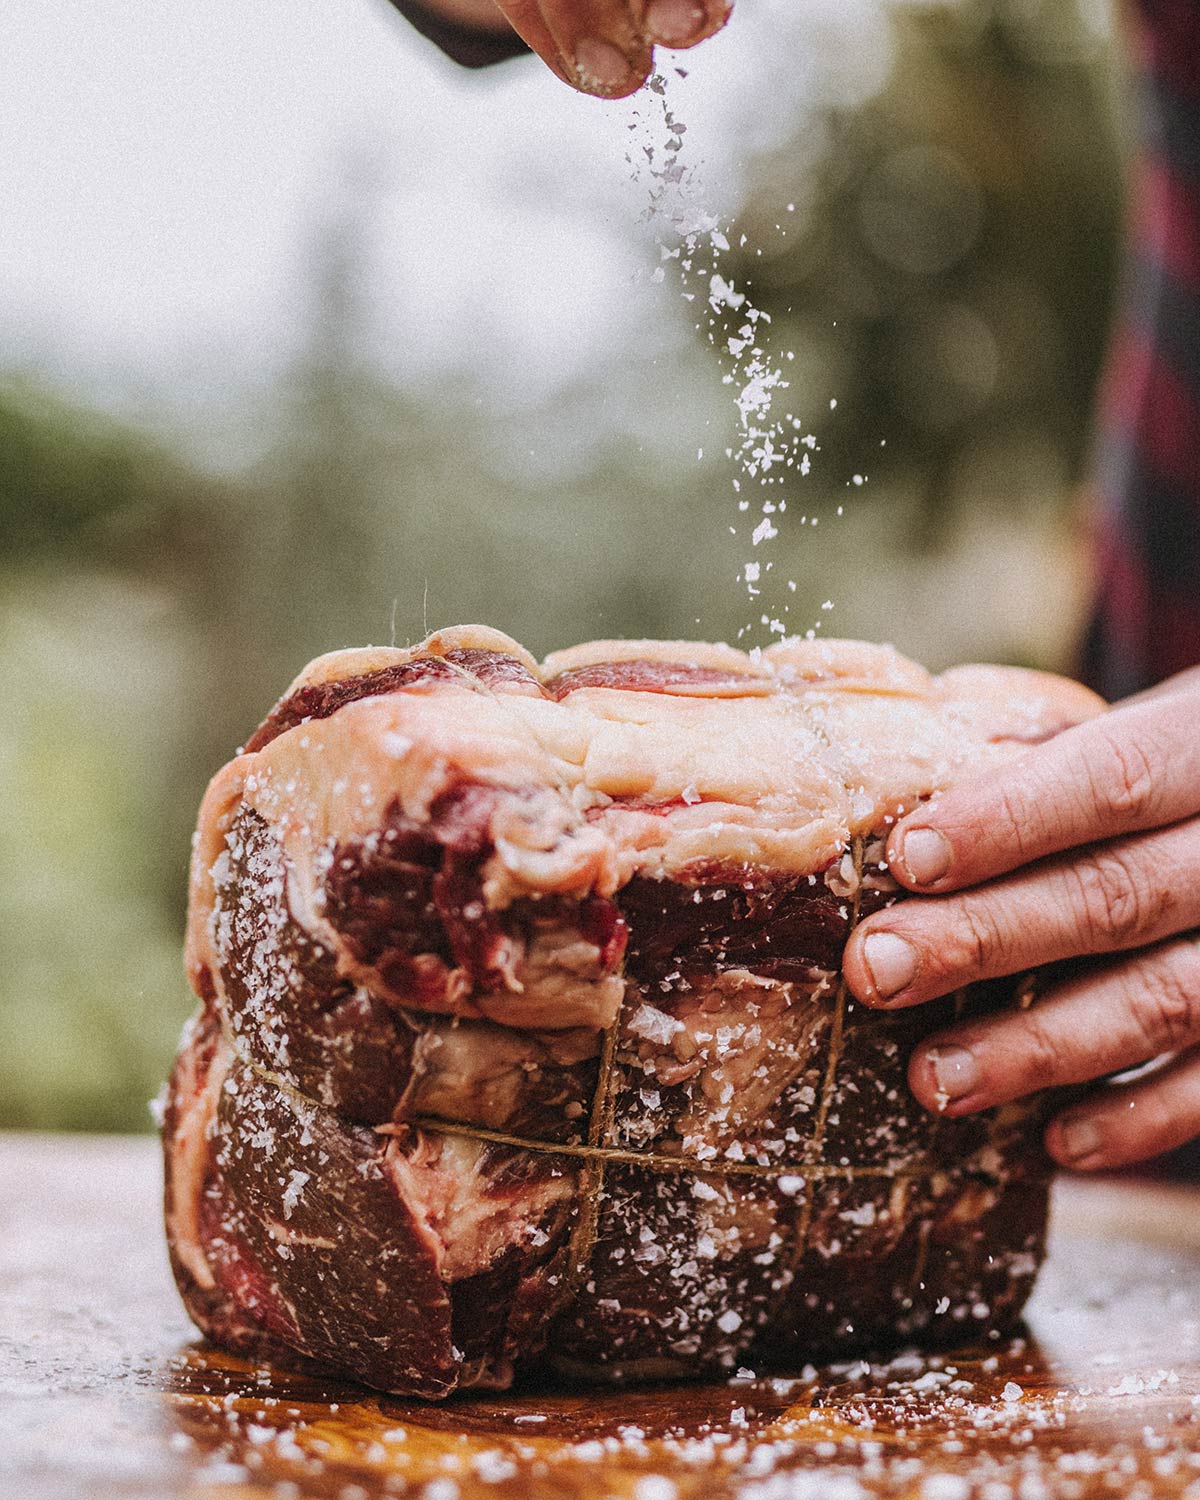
65,475
951,274
947,277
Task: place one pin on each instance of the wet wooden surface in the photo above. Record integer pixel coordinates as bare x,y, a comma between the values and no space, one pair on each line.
104,1393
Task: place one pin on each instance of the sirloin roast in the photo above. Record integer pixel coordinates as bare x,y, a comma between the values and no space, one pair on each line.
521,1034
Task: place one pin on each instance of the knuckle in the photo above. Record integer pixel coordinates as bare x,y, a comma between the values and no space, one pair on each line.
1041,1051
1117,903
982,943
1120,780
1165,1003
1019,823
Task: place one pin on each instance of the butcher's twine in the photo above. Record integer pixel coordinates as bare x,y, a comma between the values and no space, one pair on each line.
596,1157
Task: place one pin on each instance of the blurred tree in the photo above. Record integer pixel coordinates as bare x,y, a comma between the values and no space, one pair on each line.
73,480
101,531
948,279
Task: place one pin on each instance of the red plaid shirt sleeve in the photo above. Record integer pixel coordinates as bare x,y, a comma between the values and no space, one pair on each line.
1146,622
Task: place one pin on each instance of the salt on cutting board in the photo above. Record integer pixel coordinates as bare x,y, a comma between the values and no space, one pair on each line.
103,1395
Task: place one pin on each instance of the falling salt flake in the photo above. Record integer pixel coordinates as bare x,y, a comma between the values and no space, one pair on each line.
690,795
828,604
729,1321
1012,1392
689,234
943,1305
722,294
789,1184
858,479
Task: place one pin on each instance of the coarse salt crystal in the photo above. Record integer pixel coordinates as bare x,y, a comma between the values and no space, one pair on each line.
494,1467
654,1487
945,1487
654,1024
291,1194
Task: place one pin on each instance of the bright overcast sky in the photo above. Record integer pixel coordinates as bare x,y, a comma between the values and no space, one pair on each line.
163,166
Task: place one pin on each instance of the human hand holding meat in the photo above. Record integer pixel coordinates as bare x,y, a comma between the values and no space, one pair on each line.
603,47
1086,846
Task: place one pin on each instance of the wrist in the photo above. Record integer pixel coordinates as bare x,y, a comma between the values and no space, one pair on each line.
471,15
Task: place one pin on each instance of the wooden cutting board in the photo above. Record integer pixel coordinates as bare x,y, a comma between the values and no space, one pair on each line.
104,1393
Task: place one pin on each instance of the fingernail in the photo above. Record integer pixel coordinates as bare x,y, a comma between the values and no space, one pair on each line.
673,22
601,67
955,1073
925,855
1080,1138
891,963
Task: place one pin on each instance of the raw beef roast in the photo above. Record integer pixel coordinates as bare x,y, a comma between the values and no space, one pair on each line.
521,1033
